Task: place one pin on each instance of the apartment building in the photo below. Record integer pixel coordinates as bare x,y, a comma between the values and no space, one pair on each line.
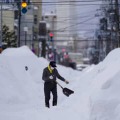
6,18
60,21
37,17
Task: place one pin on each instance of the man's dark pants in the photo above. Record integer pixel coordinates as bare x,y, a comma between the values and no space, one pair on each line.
48,88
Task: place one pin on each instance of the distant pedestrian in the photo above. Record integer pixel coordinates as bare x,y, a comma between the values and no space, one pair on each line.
49,76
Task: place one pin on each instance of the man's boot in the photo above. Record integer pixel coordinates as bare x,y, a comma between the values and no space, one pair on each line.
54,103
47,105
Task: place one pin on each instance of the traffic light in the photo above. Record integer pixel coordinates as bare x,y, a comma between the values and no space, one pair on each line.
24,6
51,36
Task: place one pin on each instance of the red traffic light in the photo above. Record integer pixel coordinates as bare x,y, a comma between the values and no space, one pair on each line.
51,34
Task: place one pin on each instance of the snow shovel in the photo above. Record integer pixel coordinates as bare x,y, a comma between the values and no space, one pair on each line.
66,91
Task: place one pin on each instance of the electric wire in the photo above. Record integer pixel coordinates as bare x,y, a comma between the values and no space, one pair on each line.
62,29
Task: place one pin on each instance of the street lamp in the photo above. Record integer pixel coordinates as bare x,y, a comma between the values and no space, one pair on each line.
25,30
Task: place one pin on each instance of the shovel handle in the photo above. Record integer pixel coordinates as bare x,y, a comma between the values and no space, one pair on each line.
59,84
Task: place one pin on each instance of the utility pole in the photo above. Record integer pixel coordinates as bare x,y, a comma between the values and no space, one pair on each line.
1,26
19,21
117,21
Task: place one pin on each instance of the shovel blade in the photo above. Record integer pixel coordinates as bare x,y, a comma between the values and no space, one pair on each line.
67,92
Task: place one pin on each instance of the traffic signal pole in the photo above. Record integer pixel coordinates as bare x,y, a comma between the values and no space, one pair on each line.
22,7
117,21
19,23
1,26
43,52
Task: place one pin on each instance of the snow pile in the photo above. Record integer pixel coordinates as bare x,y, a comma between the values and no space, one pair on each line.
18,86
96,89
105,99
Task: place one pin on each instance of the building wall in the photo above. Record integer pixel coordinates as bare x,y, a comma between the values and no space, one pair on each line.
63,14
64,17
8,19
38,13
37,16
51,20
31,21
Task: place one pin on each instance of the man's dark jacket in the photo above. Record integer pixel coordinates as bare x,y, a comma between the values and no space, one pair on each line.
55,74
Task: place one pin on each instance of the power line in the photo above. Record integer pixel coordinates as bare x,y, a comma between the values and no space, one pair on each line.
71,19
82,1
72,1
62,29
87,12
80,15
79,30
68,4
59,3
75,16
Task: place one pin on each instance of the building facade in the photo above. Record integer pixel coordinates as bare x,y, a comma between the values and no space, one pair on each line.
37,17
65,24
6,18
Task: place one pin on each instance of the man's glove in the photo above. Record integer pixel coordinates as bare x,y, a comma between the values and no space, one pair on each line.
66,82
51,77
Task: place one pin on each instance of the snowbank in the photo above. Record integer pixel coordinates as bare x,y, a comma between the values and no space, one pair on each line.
96,89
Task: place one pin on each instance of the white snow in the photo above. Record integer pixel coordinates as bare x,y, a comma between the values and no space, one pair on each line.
96,89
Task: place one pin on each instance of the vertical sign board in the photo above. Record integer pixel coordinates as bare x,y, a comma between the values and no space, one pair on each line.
42,29
42,37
